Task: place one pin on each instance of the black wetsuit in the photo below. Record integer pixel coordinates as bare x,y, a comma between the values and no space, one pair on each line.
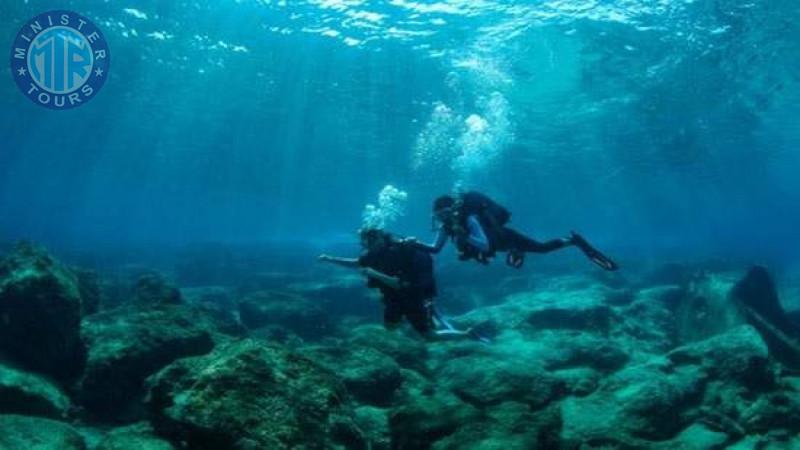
509,239
414,268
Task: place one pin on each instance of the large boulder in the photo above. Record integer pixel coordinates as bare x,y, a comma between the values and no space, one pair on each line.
134,437
508,426
696,436
738,357
286,310
763,310
648,325
484,380
773,411
40,313
152,288
641,403
425,413
707,308
23,432
561,307
408,352
251,395
92,290
29,394
128,344
374,423
369,375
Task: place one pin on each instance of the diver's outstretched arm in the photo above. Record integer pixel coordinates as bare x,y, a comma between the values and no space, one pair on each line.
351,263
436,247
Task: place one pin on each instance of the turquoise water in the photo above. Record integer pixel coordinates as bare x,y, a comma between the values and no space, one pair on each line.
652,126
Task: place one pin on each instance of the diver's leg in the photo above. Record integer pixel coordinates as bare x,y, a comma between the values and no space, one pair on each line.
449,333
392,315
592,253
514,240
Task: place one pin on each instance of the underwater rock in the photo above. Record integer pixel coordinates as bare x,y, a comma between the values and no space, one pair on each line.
134,437
291,311
426,413
40,313
695,436
91,291
739,356
369,375
486,380
707,308
648,325
23,432
128,344
153,289
565,349
641,403
510,425
777,410
217,296
583,309
578,310
374,423
579,381
251,395
757,294
28,394
408,352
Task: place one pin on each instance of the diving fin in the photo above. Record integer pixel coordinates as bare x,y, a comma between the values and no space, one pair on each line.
592,253
478,337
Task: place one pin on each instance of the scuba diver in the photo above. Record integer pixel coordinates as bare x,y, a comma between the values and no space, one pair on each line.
477,226
404,275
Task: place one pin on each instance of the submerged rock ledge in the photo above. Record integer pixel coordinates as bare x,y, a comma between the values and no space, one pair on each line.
708,362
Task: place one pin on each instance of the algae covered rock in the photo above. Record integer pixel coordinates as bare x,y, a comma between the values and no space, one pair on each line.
29,394
369,375
638,404
251,395
508,426
23,432
695,436
290,311
482,380
707,308
40,313
739,356
762,308
426,414
153,289
374,423
128,344
560,308
135,437
407,352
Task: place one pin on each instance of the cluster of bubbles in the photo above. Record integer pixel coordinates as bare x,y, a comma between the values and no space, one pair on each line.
483,138
391,206
466,138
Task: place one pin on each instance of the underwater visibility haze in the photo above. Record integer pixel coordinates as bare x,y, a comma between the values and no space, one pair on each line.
167,283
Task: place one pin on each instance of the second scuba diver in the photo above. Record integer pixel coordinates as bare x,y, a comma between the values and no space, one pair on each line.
404,275
477,226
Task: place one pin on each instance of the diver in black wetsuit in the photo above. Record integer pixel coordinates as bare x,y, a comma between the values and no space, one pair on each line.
404,275
477,226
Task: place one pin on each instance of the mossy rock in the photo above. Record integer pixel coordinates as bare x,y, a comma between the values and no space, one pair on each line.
128,344
30,394
40,313
134,437
23,432
251,395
